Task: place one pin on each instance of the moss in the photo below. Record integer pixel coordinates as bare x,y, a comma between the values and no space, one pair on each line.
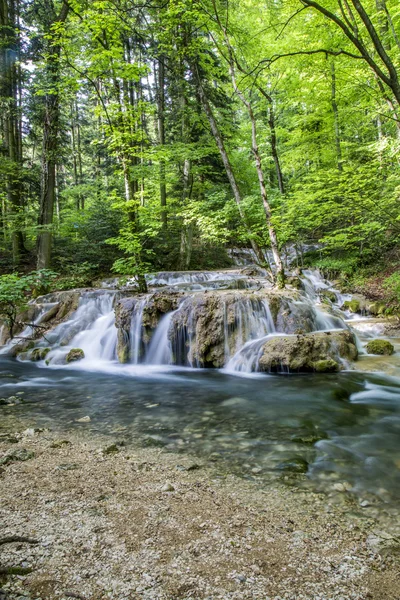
379,347
39,354
328,295
352,305
327,365
74,355
294,465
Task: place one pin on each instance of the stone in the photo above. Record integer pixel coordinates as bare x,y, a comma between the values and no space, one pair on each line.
113,448
326,366
38,354
296,464
10,401
20,455
60,444
353,306
382,347
74,355
83,420
313,352
328,295
168,487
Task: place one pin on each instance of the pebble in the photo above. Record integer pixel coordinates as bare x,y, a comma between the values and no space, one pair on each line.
168,487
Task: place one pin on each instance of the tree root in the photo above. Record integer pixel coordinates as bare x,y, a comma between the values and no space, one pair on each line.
17,538
15,570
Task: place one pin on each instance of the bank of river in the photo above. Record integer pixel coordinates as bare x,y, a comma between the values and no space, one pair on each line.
141,523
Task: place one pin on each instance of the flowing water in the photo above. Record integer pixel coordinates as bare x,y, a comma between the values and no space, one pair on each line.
342,428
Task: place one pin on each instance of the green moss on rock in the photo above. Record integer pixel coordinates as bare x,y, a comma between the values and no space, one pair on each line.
326,365
39,354
353,306
380,347
74,355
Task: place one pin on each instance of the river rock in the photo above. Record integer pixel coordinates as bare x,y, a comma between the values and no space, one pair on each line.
74,355
38,354
18,455
382,347
321,351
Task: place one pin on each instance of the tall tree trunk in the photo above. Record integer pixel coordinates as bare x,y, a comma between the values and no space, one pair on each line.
280,269
227,163
273,140
161,135
11,121
50,144
335,111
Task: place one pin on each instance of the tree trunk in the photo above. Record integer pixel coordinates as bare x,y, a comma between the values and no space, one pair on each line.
11,122
50,145
161,135
227,164
335,111
280,269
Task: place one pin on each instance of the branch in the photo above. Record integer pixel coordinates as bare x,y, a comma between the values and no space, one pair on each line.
17,538
275,57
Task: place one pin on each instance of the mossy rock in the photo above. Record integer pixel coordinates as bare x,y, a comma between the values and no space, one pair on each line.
328,295
327,365
74,355
39,354
313,352
380,347
353,306
294,465
376,308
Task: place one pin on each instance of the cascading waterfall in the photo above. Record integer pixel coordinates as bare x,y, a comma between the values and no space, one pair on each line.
91,328
240,322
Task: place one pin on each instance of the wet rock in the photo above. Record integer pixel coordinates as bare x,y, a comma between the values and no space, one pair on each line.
168,487
20,455
328,294
11,401
296,464
376,308
326,366
60,444
84,420
253,271
113,448
313,352
380,347
74,355
39,354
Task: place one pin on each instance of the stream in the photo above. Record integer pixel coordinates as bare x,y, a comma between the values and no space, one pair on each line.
341,429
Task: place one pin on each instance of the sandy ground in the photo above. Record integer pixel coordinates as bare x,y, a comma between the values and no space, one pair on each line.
143,524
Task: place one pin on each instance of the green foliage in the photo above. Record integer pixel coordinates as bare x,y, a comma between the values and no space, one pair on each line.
392,285
15,291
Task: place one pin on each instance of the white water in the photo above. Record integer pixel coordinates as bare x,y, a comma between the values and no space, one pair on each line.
246,324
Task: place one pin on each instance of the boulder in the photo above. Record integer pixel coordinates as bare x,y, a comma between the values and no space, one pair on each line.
38,354
320,352
74,355
328,295
380,347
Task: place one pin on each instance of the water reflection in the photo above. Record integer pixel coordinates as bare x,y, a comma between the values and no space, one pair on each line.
342,427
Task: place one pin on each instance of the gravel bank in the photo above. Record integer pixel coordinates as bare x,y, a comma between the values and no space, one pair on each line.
134,523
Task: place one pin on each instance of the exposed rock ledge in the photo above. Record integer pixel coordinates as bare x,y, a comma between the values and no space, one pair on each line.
321,352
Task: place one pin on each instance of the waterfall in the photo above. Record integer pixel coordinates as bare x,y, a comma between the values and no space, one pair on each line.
160,349
30,330
136,332
91,327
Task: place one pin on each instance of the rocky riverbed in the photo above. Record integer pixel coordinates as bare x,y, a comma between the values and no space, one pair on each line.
123,522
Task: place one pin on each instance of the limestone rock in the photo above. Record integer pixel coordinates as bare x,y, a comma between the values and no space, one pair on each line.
380,347
313,352
74,355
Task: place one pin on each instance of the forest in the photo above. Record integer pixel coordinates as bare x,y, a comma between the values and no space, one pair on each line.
140,135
